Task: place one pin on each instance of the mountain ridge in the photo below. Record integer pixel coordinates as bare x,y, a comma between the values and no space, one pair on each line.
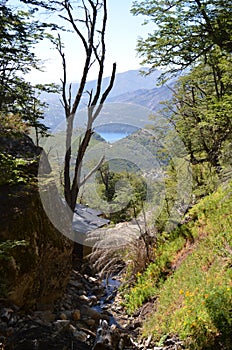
130,88
128,81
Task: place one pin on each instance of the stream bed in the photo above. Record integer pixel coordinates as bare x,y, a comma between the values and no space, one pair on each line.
105,302
73,322
70,324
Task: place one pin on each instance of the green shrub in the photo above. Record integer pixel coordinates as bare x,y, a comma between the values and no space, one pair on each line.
123,193
13,170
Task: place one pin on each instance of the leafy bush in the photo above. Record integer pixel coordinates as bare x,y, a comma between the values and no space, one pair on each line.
13,170
13,124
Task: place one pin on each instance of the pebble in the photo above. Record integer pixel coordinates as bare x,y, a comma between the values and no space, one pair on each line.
85,298
63,316
93,299
91,313
93,279
90,322
76,315
73,321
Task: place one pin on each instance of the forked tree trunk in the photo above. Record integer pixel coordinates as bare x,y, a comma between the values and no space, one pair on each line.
94,54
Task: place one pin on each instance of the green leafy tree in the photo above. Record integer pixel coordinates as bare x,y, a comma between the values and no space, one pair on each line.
19,33
124,192
202,109
14,170
195,34
108,179
185,31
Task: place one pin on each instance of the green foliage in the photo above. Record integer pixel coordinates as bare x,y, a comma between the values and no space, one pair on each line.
123,192
170,197
200,109
14,170
202,114
19,32
194,292
12,124
7,246
183,31
205,180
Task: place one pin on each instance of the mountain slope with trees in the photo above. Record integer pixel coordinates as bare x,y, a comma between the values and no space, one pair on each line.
189,280
184,269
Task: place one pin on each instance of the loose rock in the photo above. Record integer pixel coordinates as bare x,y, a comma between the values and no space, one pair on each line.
76,315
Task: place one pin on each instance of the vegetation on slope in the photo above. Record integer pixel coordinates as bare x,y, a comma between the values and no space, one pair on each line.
191,278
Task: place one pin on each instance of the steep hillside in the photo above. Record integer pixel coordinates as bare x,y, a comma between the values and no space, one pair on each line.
191,278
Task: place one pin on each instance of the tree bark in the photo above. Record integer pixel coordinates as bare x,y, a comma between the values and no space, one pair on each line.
95,53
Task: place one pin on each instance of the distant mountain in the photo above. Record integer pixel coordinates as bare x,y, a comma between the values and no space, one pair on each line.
149,98
130,88
128,82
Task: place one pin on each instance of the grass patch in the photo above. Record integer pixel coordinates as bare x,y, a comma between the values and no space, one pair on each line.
147,284
194,300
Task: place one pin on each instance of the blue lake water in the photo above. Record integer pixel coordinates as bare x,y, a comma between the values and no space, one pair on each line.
113,136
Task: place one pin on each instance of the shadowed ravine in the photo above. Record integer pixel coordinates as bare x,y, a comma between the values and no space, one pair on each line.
73,324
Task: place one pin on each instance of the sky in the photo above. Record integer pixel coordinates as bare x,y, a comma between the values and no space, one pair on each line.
123,30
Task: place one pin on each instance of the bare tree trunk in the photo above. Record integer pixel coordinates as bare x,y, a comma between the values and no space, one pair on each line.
94,54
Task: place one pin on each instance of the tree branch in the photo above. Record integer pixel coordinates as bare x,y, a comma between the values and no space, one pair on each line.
97,166
106,93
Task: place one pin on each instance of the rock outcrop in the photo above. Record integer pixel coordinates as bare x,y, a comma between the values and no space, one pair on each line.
32,274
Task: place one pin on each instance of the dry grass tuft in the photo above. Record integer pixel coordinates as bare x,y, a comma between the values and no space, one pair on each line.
124,248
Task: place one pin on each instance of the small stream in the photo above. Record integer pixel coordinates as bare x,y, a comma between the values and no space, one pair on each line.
47,330
73,323
111,286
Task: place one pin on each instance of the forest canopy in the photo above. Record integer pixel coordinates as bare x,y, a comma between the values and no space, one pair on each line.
185,31
195,38
20,102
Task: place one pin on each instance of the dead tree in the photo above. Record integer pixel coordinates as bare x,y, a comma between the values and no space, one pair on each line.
93,41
